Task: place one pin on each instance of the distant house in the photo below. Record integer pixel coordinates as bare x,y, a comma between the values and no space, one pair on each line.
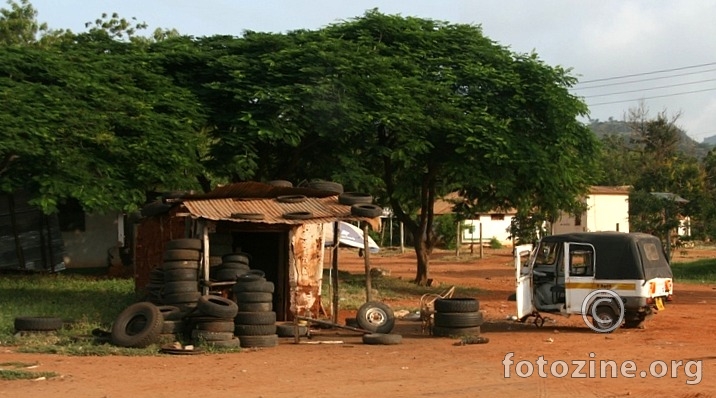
485,226
607,210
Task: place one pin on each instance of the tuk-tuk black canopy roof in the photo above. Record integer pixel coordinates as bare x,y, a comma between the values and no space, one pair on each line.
620,255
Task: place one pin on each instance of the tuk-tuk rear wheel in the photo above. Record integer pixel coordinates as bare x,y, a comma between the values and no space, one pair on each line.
604,317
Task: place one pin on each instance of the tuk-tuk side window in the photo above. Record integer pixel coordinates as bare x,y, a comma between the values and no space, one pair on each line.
581,260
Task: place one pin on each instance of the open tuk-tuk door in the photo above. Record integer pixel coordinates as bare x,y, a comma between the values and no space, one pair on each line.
523,286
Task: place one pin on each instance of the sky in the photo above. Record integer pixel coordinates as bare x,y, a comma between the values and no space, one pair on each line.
626,53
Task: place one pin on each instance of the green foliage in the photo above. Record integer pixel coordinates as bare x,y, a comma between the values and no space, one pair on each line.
446,231
700,271
495,243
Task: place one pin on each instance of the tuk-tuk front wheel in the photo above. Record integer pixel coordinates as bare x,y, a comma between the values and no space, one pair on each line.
604,317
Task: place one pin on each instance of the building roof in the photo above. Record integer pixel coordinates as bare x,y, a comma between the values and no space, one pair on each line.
609,190
255,202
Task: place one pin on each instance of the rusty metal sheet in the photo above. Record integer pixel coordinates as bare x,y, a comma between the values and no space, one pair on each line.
305,267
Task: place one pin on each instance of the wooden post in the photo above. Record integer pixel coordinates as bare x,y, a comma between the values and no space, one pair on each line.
402,238
334,270
366,259
457,241
481,246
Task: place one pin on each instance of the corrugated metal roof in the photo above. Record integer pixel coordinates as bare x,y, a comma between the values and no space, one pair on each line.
273,211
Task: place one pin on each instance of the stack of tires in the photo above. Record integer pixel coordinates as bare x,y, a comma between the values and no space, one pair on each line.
255,323
232,266
180,272
457,317
213,322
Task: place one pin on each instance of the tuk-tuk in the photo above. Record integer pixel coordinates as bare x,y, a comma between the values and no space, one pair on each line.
610,277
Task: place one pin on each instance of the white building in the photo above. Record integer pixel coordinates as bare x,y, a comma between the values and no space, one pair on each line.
607,210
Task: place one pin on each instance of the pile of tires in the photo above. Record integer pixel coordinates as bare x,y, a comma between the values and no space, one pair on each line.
232,266
180,273
255,322
457,317
213,322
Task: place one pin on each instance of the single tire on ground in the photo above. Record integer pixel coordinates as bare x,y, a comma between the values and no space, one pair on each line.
380,338
217,306
138,325
457,305
189,244
259,341
375,317
458,319
440,331
38,323
255,318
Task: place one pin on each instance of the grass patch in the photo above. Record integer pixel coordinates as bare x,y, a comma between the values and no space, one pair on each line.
699,271
351,290
16,373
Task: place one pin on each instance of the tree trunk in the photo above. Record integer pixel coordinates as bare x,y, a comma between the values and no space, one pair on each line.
422,253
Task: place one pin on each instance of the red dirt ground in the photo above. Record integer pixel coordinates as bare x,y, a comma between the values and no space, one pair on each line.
421,365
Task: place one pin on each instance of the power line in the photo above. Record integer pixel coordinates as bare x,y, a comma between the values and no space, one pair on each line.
647,73
656,96
645,80
650,88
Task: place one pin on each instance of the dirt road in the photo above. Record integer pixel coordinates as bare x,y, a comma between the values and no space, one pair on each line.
421,365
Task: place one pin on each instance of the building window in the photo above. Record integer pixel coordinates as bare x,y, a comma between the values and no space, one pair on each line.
71,216
578,220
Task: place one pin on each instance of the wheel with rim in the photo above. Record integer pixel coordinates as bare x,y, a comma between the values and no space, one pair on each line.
217,306
375,317
366,210
382,339
353,198
137,326
604,317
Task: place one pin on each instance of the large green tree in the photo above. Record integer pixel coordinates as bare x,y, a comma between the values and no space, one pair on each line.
406,108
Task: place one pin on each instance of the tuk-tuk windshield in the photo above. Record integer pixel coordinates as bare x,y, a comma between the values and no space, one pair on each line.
546,253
